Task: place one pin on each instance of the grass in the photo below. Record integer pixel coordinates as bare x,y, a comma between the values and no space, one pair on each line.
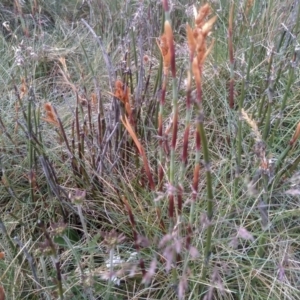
135,163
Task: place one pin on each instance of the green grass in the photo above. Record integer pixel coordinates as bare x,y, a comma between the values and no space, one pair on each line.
94,209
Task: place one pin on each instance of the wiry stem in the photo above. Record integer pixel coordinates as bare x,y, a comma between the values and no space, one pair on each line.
160,133
231,57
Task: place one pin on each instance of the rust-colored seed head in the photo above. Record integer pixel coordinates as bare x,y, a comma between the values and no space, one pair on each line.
204,11
170,41
164,45
164,49
121,91
196,38
50,114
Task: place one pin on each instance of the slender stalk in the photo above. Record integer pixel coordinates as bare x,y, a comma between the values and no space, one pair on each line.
30,146
184,157
134,53
282,158
205,149
285,97
169,36
210,196
174,135
240,122
160,133
267,124
198,47
231,56
262,102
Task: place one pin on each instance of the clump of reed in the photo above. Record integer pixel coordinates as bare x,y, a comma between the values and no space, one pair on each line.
146,188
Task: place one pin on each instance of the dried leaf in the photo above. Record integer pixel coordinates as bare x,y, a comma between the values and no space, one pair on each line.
245,234
132,134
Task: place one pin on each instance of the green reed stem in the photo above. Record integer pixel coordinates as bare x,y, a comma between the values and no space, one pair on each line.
262,102
240,122
184,158
285,97
205,149
267,125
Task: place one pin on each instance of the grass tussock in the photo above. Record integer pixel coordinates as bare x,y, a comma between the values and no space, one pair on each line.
149,150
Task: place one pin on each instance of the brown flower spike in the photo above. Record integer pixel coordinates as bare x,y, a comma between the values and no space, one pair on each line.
122,92
197,40
167,49
50,114
164,49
